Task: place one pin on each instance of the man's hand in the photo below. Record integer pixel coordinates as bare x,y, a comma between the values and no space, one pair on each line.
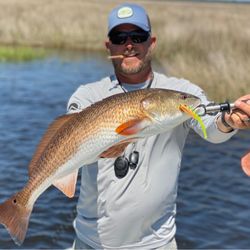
239,117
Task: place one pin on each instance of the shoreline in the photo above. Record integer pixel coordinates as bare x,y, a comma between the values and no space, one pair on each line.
206,43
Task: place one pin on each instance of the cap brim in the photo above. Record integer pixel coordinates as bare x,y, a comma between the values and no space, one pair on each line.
140,25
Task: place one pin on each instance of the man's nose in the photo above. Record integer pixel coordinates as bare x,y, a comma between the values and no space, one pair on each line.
129,43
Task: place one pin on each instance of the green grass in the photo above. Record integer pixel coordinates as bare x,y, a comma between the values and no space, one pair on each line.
20,53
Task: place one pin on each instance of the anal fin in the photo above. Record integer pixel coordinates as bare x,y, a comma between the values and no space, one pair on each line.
67,184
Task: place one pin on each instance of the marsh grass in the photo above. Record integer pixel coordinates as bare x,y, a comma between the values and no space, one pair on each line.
207,43
20,53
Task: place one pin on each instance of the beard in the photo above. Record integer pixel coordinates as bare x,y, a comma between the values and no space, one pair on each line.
133,69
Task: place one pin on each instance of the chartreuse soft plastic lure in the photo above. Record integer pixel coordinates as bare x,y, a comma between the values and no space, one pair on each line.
194,115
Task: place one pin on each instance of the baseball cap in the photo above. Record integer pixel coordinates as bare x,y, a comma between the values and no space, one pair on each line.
129,13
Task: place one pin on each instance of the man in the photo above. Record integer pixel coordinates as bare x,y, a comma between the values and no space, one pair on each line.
135,209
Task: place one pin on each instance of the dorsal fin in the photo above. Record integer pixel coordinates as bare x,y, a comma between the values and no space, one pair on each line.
49,134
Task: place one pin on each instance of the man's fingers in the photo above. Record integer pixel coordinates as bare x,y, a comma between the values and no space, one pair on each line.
243,105
238,119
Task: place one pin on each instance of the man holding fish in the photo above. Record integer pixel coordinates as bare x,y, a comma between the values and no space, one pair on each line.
127,199
127,132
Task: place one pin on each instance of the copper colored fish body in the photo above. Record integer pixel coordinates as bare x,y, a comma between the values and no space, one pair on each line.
102,130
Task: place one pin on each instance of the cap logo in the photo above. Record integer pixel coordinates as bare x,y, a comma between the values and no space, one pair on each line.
125,12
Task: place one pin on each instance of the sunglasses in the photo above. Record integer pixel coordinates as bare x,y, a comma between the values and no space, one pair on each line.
121,37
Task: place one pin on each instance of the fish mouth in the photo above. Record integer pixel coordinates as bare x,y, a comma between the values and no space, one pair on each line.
190,109
196,105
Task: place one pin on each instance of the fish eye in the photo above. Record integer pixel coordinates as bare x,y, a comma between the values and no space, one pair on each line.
184,96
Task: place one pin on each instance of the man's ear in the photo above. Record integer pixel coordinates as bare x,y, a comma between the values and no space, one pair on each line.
153,42
107,44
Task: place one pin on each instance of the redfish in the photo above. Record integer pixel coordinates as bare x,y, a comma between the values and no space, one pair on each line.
103,129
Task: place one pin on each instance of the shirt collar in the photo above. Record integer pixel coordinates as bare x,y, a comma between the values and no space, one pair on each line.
115,82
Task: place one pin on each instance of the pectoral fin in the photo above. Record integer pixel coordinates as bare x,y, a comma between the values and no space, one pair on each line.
67,184
245,163
132,127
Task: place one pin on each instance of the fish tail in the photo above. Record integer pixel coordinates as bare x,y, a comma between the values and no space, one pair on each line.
15,217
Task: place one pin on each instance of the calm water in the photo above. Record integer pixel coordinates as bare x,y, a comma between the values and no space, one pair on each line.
214,197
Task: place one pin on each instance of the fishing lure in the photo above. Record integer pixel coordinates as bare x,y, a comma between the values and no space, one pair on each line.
194,115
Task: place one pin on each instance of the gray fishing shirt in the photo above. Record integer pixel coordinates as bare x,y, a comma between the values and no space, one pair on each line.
137,211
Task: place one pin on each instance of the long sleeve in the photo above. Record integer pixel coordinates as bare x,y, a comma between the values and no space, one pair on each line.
79,100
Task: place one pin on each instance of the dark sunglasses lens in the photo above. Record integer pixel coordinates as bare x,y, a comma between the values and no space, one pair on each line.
136,37
139,37
118,38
